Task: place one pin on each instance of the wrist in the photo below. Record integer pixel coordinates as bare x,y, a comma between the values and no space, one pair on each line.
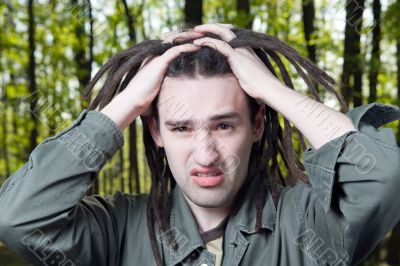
122,110
274,89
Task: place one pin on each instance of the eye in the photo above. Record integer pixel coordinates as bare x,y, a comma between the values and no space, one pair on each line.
225,126
180,129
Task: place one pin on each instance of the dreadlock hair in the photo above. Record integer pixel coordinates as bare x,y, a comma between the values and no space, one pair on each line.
276,140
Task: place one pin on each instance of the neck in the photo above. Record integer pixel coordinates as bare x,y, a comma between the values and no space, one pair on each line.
208,218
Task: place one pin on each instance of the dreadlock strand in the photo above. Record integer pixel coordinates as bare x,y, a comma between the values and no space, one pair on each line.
301,139
285,74
283,147
272,43
128,77
305,77
97,76
108,70
288,147
264,58
113,63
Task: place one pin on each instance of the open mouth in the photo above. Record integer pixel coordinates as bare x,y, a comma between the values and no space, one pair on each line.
206,177
207,174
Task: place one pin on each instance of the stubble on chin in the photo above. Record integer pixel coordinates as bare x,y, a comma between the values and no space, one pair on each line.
209,197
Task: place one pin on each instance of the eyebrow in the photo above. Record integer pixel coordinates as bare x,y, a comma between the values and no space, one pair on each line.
224,116
228,115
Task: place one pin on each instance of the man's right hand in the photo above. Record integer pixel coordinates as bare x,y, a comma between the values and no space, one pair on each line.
137,97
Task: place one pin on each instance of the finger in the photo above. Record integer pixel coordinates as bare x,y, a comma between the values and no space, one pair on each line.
165,35
219,45
248,51
171,37
228,25
222,30
173,52
257,57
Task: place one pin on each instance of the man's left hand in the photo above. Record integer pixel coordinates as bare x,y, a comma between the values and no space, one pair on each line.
253,76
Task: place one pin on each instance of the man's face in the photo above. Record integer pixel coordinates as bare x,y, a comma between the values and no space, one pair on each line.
205,129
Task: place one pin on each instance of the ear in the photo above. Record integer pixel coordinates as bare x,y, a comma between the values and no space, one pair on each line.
258,128
155,131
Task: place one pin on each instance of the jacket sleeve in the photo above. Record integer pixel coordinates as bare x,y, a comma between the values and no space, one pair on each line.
356,179
46,217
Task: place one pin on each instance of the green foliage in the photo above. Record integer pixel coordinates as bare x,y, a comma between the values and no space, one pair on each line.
62,32
392,21
7,258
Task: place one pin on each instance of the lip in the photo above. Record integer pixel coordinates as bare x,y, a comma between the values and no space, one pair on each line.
207,181
204,170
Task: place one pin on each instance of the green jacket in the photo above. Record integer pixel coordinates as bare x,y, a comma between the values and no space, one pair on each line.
349,206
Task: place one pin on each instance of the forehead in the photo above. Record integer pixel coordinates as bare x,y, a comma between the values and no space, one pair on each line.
199,97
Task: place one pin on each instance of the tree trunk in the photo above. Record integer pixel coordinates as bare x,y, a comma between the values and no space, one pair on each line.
102,184
352,64
375,53
4,120
111,177
133,159
193,12
15,125
398,81
393,247
83,54
91,40
272,10
243,8
130,21
309,30
121,169
33,97
4,125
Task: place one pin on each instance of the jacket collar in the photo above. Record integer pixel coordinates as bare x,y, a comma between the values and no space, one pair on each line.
245,218
186,229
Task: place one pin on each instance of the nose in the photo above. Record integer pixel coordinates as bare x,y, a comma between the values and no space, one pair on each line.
205,151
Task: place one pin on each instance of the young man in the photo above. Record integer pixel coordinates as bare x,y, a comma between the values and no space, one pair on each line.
206,119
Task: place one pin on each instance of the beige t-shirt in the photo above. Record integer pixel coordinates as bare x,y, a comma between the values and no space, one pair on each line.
215,247
214,240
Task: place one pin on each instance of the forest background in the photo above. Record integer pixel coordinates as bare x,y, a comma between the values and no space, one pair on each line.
50,49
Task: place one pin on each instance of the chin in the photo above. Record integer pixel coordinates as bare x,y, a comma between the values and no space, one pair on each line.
210,205
209,199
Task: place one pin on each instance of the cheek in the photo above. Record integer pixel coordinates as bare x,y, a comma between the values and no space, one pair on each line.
236,155
176,146
239,144
177,155
243,154
175,151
